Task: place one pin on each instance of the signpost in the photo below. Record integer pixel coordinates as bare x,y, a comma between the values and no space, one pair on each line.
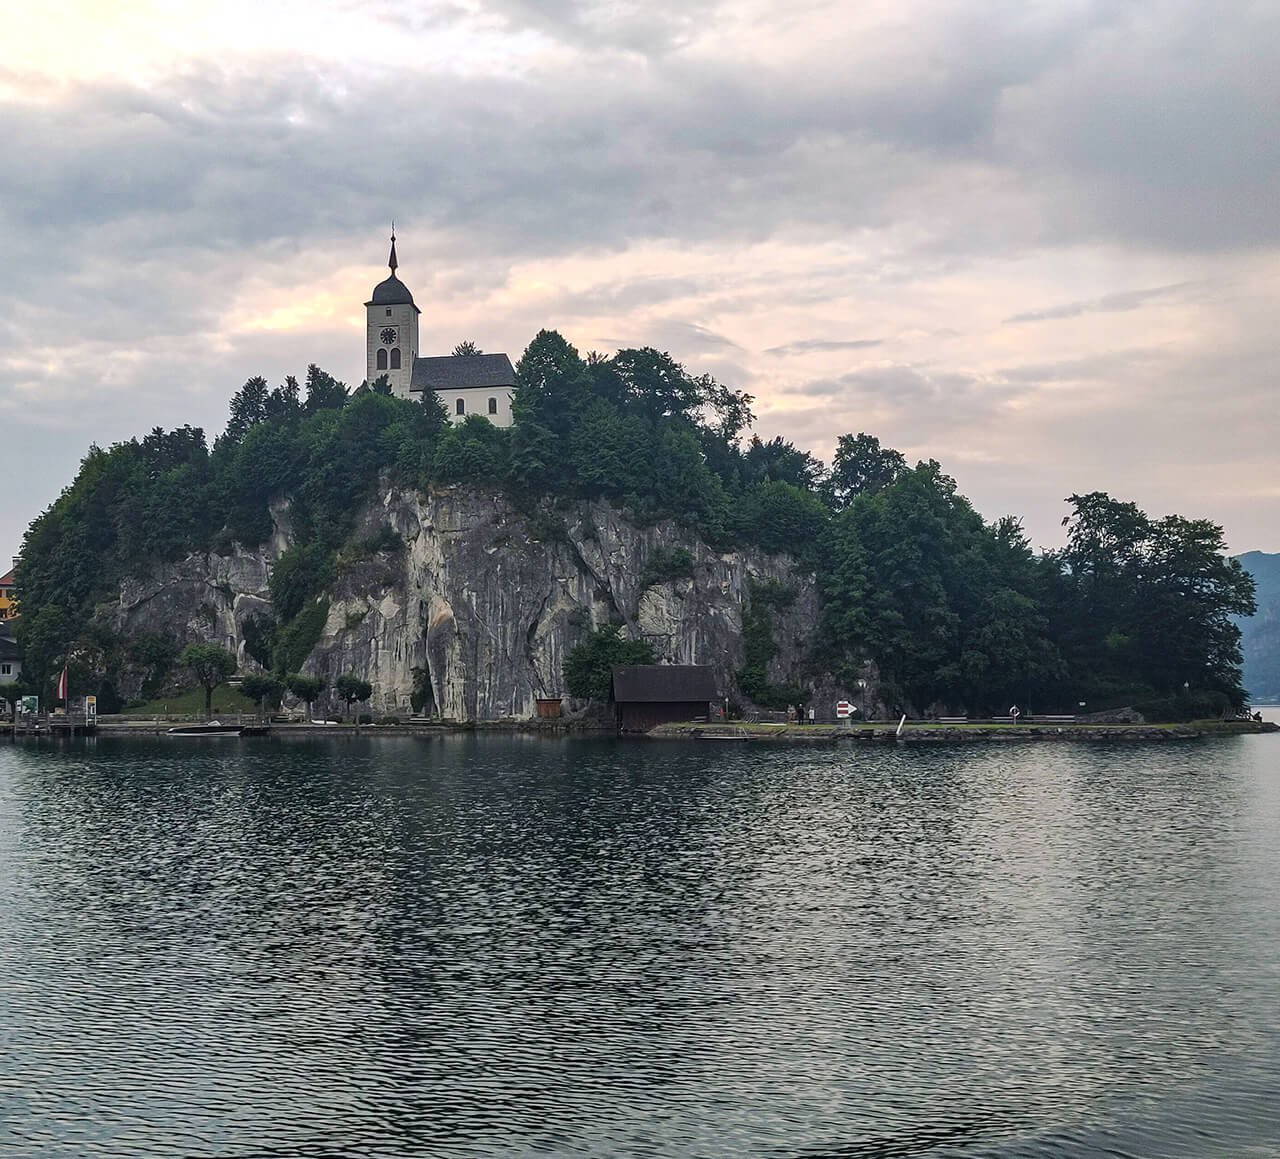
844,709
91,711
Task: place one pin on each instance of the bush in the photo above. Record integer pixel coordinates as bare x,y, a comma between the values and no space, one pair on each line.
588,669
388,720
386,538
295,640
1195,704
365,718
304,571
666,564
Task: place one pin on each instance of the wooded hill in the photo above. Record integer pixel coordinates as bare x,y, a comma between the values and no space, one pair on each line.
1261,632
953,608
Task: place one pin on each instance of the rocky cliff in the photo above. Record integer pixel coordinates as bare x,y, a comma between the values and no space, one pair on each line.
486,599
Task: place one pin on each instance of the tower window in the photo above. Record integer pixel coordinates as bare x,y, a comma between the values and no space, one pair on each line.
462,407
388,311
395,358
382,359
493,406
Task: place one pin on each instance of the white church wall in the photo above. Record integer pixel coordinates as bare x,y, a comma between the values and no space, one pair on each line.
475,401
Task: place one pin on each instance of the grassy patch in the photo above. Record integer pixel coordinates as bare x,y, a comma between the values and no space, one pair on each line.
225,699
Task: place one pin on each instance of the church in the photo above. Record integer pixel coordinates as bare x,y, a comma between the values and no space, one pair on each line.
467,384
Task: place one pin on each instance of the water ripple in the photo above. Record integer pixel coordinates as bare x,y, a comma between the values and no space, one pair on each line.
475,947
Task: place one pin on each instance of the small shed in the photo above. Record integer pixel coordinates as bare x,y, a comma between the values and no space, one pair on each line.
645,695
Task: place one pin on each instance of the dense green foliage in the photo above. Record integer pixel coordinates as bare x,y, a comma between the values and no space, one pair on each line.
264,689
351,688
954,610
588,669
305,688
759,647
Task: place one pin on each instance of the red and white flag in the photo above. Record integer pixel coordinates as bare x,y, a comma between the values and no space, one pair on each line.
62,686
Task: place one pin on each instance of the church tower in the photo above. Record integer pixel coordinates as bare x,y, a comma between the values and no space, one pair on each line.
391,338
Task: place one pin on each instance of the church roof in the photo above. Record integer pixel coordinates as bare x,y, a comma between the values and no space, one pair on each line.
392,292
460,371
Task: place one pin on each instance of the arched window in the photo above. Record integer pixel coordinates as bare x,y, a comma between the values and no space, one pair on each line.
462,407
395,358
382,358
493,406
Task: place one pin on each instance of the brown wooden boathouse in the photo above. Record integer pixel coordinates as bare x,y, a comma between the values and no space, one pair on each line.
645,695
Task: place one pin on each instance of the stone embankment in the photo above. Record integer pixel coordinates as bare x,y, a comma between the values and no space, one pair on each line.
959,733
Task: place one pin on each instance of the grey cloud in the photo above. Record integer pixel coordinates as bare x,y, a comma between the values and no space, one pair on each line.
1107,304
1093,368
898,384
991,130
628,295
644,26
820,345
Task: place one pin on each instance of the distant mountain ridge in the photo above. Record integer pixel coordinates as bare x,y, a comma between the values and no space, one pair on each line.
1261,632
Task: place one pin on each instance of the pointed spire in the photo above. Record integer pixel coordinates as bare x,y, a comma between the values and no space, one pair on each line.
391,261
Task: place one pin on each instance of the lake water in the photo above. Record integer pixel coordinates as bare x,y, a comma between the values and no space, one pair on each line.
511,947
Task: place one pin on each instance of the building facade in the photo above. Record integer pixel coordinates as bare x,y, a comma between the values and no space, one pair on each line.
479,384
10,660
8,595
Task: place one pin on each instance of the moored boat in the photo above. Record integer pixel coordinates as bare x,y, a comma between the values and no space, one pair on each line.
210,728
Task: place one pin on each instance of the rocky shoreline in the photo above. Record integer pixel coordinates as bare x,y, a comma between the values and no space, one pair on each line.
923,733
917,733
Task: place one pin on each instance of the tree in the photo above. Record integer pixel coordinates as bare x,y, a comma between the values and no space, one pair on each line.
351,688
466,348
779,461
588,669
248,408
210,665
1141,601
324,391
783,518
861,466
259,632
305,688
262,688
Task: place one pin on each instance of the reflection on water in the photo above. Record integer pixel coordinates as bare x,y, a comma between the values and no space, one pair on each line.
517,947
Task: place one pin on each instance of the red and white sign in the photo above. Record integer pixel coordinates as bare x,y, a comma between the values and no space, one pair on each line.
843,709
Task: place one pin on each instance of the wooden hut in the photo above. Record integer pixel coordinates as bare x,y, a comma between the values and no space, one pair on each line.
645,695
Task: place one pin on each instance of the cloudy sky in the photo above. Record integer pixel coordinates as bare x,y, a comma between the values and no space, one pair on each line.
1033,239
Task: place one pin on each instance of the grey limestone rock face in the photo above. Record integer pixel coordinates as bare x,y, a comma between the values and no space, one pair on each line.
487,600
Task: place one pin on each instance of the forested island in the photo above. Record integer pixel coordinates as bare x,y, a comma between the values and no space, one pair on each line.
328,530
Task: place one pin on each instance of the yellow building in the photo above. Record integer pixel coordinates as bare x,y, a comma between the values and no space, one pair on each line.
8,597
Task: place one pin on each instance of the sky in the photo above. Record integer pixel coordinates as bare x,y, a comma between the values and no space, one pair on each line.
1037,240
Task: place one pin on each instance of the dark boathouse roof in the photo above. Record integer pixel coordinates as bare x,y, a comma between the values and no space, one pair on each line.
9,649
664,683
461,371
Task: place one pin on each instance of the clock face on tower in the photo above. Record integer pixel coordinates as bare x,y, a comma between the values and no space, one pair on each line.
388,336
